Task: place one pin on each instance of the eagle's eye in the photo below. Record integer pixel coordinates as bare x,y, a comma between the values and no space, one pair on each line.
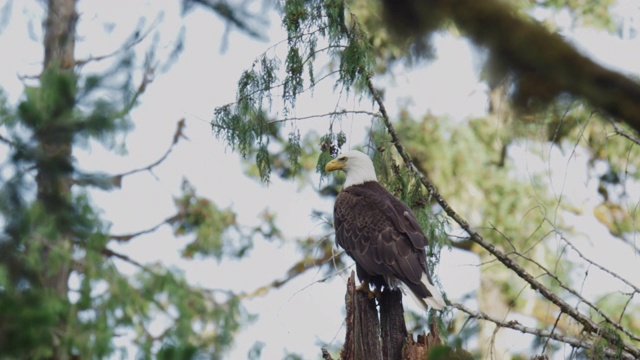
343,159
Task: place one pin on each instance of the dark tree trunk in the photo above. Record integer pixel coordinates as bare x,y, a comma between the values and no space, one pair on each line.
54,165
363,331
55,140
387,339
392,326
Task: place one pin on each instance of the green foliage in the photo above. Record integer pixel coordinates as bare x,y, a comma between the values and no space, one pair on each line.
18,309
201,217
61,293
244,125
585,12
442,352
600,345
330,145
255,351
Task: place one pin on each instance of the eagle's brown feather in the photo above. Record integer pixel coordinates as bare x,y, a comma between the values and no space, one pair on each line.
382,235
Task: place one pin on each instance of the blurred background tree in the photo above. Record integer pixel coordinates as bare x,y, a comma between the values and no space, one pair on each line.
61,294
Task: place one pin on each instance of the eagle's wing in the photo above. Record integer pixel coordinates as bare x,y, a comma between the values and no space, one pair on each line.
382,235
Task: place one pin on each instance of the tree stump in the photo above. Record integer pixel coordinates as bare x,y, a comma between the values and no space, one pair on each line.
368,338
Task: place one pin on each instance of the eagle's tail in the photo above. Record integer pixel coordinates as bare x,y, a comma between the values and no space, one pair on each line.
434,301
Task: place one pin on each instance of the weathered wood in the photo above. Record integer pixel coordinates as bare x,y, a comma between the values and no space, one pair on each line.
368,338
363,328
392,325
326,355
418,349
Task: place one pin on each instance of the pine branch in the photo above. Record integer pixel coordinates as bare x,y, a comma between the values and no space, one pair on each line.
273,87
515,325
588,324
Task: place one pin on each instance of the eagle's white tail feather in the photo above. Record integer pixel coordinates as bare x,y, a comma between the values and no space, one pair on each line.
434,302
418,300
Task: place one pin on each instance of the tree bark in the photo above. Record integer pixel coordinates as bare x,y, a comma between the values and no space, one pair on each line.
54,167
363,332
387,339
392,325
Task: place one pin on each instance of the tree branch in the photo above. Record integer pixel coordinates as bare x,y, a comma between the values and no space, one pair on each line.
137,38
515,325
542,64
128,237
178,134
625,281
580,297
588,324
619,131
295,270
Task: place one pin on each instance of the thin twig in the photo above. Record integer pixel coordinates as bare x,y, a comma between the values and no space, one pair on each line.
618,130
333,113
581,298
515,325
138,38
625,281
295,270
176,137
128,237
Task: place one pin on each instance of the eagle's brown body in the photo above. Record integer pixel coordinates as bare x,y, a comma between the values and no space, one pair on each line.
381,233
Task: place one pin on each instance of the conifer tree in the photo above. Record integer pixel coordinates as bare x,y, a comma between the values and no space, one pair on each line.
62,295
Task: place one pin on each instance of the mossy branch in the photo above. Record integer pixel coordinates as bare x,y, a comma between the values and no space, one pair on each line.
542,65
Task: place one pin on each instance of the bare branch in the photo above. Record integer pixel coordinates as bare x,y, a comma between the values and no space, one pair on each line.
619,131
178,134
128,237
296,270
625,281
7,141
111,253
135,40
581,298
515,325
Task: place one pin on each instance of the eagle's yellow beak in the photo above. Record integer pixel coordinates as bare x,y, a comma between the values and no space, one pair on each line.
334,164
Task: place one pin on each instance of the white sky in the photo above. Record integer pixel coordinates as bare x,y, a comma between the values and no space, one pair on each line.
303,312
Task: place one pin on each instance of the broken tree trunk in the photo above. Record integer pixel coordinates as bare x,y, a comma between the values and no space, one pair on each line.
363,332
386,339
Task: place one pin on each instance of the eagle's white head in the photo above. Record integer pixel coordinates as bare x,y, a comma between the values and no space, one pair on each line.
357,166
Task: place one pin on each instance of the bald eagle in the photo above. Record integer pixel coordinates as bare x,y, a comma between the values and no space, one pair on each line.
381,233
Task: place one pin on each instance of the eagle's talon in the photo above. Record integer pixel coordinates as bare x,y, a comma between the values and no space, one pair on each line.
365,289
